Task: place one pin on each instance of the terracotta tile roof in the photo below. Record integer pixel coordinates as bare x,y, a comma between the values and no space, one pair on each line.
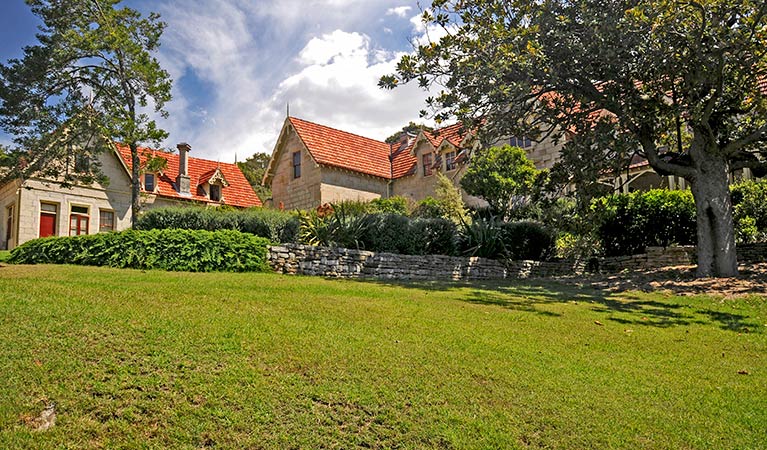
336,148
403,161
239,192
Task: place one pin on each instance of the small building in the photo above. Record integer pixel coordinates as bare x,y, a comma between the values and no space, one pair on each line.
38,207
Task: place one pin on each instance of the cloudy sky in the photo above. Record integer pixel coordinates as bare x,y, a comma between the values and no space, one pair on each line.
237,64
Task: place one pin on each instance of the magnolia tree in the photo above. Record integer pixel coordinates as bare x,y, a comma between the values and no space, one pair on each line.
91,79
614,78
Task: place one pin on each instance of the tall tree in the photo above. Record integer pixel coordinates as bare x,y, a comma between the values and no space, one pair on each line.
91,79
619,74
254,168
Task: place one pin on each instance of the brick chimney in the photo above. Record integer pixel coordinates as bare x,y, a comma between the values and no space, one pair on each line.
182,182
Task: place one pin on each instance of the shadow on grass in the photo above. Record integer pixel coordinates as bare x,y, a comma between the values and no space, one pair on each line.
627,308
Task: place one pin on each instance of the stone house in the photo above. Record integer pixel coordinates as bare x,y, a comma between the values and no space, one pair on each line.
38,207
314,164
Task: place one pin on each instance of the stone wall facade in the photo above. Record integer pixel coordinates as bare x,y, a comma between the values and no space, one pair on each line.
331,262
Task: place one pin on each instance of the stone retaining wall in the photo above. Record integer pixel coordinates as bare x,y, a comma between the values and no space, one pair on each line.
349,263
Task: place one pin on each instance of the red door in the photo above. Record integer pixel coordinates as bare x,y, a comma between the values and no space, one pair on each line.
47,224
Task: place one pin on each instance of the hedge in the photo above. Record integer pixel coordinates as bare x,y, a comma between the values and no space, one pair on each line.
277,226
628,223
491,238
174,250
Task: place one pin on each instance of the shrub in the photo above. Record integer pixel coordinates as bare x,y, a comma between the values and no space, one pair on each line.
428,208
277,226
527,240
176,250
434,237
750,214
628,223
390,233
391,205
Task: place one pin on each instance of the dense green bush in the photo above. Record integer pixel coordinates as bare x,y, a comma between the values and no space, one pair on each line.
527,240
343,227
749,199
627,223
177,250
395,233
428,208
277,226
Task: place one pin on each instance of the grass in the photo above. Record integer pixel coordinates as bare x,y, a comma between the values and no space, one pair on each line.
155,360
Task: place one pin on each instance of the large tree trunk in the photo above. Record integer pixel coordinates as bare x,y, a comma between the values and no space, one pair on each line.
716,234
135,184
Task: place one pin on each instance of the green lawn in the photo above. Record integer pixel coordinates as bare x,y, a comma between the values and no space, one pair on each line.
154,360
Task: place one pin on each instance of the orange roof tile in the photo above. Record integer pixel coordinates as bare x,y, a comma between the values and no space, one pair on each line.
239,192
332,147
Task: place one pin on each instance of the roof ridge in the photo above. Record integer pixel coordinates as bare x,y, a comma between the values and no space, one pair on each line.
336,129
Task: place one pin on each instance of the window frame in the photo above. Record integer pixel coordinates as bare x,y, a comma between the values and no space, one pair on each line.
154,181
102,229
9,211
219,189
296,165
427,169
81,219
450,163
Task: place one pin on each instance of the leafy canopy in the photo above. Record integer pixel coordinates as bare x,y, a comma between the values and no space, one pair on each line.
498,175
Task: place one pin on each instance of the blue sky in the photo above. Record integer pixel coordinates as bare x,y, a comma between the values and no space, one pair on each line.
236,64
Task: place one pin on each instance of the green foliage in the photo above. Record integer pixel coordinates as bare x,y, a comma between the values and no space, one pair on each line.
277,226
176,250
501,176
5,255
749,199
627,223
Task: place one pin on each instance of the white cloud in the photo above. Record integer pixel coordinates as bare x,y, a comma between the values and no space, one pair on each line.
252,58
400,11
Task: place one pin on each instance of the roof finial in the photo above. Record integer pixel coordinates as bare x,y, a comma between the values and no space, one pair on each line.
288,109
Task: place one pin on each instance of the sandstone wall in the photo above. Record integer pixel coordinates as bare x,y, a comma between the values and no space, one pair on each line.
350,263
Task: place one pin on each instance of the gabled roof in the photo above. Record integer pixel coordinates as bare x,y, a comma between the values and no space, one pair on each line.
331,147
238,192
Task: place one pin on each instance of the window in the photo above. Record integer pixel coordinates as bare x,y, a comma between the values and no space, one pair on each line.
106,220
149,182
48,215
427,163
78,220
523,142
9,225
215,192
296,164
450,161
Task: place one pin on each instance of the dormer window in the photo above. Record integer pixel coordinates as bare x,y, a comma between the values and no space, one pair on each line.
215,192
150,182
